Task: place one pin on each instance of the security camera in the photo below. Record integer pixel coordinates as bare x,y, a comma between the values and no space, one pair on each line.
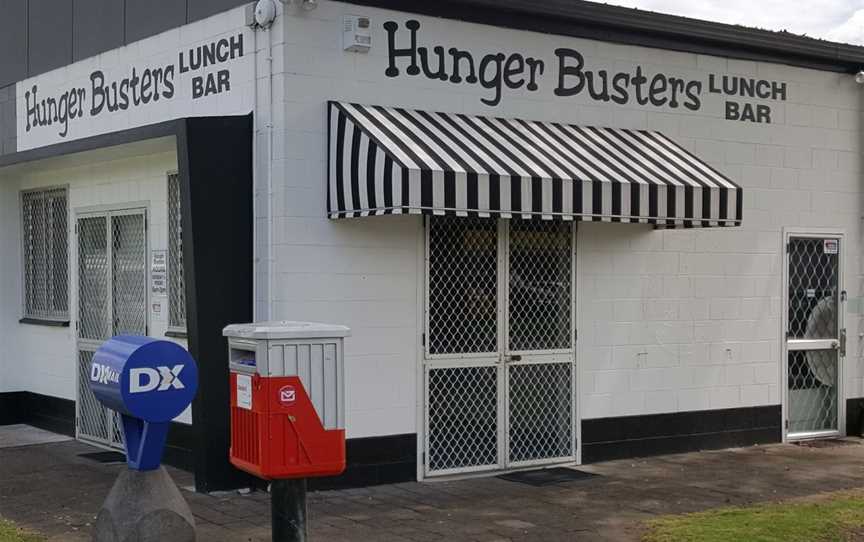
859,77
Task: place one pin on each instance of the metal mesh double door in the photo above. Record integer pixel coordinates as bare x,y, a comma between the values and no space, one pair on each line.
499,364
112,300
815,340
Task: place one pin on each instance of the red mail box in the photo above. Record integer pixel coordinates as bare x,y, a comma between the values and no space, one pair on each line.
287,399
281,435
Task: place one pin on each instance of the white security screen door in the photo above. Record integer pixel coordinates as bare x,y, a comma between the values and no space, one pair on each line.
499,363
112,300
815,339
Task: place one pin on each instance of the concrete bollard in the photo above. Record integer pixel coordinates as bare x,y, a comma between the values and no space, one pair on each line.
145,506
148,382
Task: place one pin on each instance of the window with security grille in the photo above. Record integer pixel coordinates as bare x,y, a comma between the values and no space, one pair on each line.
45,237
176,282
813,289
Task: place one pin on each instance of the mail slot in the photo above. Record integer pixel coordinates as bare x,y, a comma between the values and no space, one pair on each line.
287,398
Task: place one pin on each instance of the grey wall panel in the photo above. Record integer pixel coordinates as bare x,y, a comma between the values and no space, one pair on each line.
199,9
49,34
7,120
149,17
13,41
97,26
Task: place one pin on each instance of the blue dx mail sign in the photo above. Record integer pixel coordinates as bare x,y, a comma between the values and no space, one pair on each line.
149,382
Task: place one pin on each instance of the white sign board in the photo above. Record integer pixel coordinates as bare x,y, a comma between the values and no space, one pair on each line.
202,69
244,391
159,273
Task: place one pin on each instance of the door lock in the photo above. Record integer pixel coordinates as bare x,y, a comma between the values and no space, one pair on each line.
514,357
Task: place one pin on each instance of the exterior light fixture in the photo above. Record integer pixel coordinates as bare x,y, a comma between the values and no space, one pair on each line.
859,77
265,13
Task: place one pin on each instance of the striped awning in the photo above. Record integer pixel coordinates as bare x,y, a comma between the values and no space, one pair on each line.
385,160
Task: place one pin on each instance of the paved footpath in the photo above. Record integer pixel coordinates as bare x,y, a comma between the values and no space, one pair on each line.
49,488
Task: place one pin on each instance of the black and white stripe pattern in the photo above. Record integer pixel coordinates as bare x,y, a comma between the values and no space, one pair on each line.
386,160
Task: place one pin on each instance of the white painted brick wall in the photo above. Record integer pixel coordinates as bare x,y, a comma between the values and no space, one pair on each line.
668,320
8,286
45,358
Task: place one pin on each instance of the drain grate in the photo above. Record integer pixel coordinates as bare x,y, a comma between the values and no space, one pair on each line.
545,477
105,457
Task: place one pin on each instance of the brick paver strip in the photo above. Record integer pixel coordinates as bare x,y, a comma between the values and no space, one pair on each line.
47,487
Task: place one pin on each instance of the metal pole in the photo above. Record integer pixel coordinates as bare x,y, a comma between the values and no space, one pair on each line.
288,509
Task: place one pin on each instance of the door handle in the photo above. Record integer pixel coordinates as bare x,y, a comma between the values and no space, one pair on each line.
842,345
514,357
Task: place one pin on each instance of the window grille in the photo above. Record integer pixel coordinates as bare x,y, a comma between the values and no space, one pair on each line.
45,237
176,281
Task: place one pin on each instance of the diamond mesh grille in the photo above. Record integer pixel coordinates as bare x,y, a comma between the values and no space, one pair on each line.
463,417
812,390
45,235
112,300
541,421
813,290
116,425
465,404
93,310
91,413
95,422
128,257
463,286
540,277
176,281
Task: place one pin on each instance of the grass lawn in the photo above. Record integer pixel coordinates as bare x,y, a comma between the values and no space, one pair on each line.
829,517
10,533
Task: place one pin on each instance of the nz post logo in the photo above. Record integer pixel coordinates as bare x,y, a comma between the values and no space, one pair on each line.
162,378
287,395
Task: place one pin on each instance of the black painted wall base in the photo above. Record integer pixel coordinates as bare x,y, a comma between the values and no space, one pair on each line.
43,411
371,461
855,417
655,434
13,407
393,458
58,416
375,460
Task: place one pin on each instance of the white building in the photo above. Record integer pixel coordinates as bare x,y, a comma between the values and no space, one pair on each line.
559,234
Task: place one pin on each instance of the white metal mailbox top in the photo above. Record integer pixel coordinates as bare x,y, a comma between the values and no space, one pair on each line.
285,329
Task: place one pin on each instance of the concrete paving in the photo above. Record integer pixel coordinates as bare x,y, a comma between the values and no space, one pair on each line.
51,489
25,435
